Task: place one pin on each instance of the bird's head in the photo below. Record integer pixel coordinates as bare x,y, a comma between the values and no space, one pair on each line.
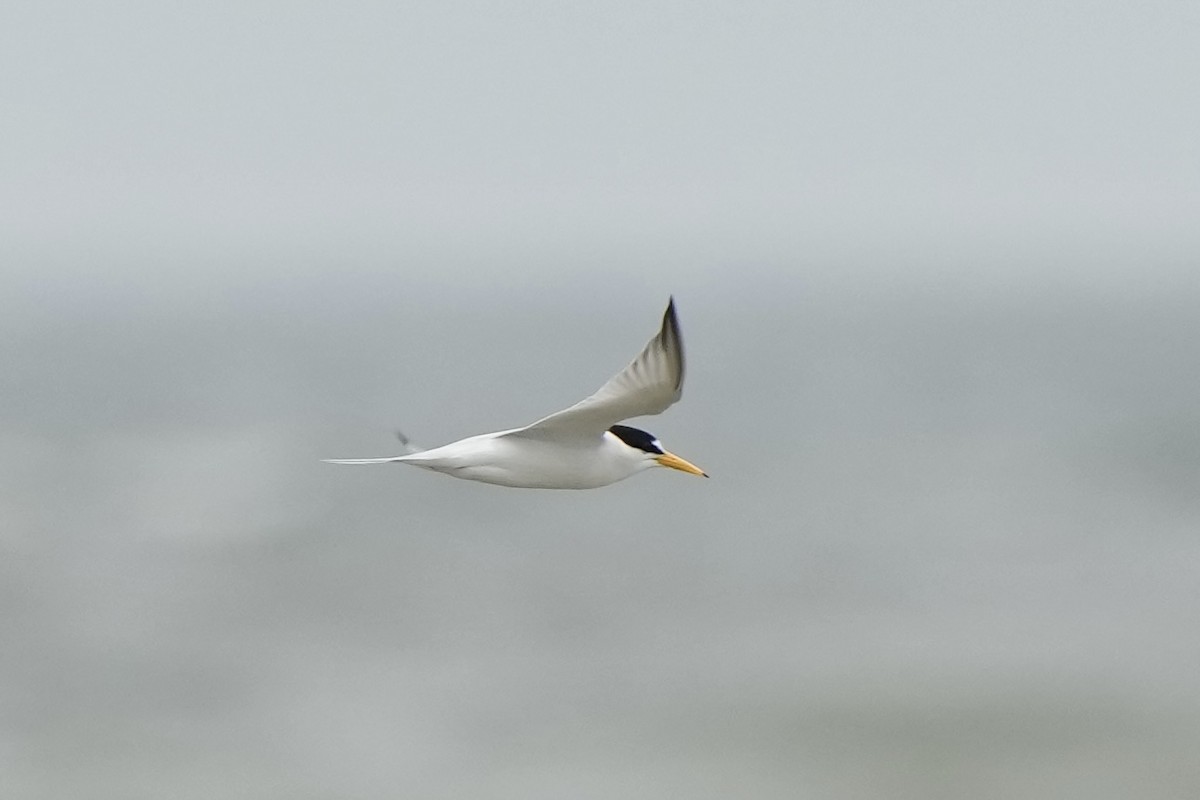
650,451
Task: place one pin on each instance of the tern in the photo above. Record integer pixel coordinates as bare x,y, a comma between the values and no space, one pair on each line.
581,447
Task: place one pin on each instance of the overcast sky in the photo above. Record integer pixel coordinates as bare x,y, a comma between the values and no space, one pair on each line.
451,138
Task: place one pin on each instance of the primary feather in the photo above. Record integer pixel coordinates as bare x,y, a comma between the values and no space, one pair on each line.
649,385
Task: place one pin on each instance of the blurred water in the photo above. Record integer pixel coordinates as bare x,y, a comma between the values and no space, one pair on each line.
949,548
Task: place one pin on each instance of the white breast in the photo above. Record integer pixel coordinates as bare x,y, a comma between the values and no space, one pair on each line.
529,463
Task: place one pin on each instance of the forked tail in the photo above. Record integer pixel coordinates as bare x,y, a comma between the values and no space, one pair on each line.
362,460
408,446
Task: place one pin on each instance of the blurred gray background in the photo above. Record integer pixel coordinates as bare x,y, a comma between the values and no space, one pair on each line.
936,266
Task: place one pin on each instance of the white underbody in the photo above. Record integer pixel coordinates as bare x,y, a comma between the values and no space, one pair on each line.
530,463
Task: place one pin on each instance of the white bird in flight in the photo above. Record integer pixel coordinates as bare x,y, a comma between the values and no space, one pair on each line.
581,447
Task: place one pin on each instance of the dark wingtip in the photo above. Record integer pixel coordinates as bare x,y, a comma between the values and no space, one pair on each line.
670,320
671,335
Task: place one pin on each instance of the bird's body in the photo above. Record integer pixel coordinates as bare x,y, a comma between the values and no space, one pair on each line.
507,460
581,447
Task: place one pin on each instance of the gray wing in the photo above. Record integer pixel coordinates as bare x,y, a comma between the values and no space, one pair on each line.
649,385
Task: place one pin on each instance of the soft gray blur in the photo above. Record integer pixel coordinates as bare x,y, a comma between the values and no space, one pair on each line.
937,271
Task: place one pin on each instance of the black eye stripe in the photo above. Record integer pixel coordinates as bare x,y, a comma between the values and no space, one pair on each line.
635,437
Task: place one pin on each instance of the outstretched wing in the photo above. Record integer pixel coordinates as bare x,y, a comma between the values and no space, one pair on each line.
649,385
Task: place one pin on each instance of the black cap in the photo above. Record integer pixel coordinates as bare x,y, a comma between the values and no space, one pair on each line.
635,437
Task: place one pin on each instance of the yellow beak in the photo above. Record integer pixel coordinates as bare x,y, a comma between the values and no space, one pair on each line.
675,462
